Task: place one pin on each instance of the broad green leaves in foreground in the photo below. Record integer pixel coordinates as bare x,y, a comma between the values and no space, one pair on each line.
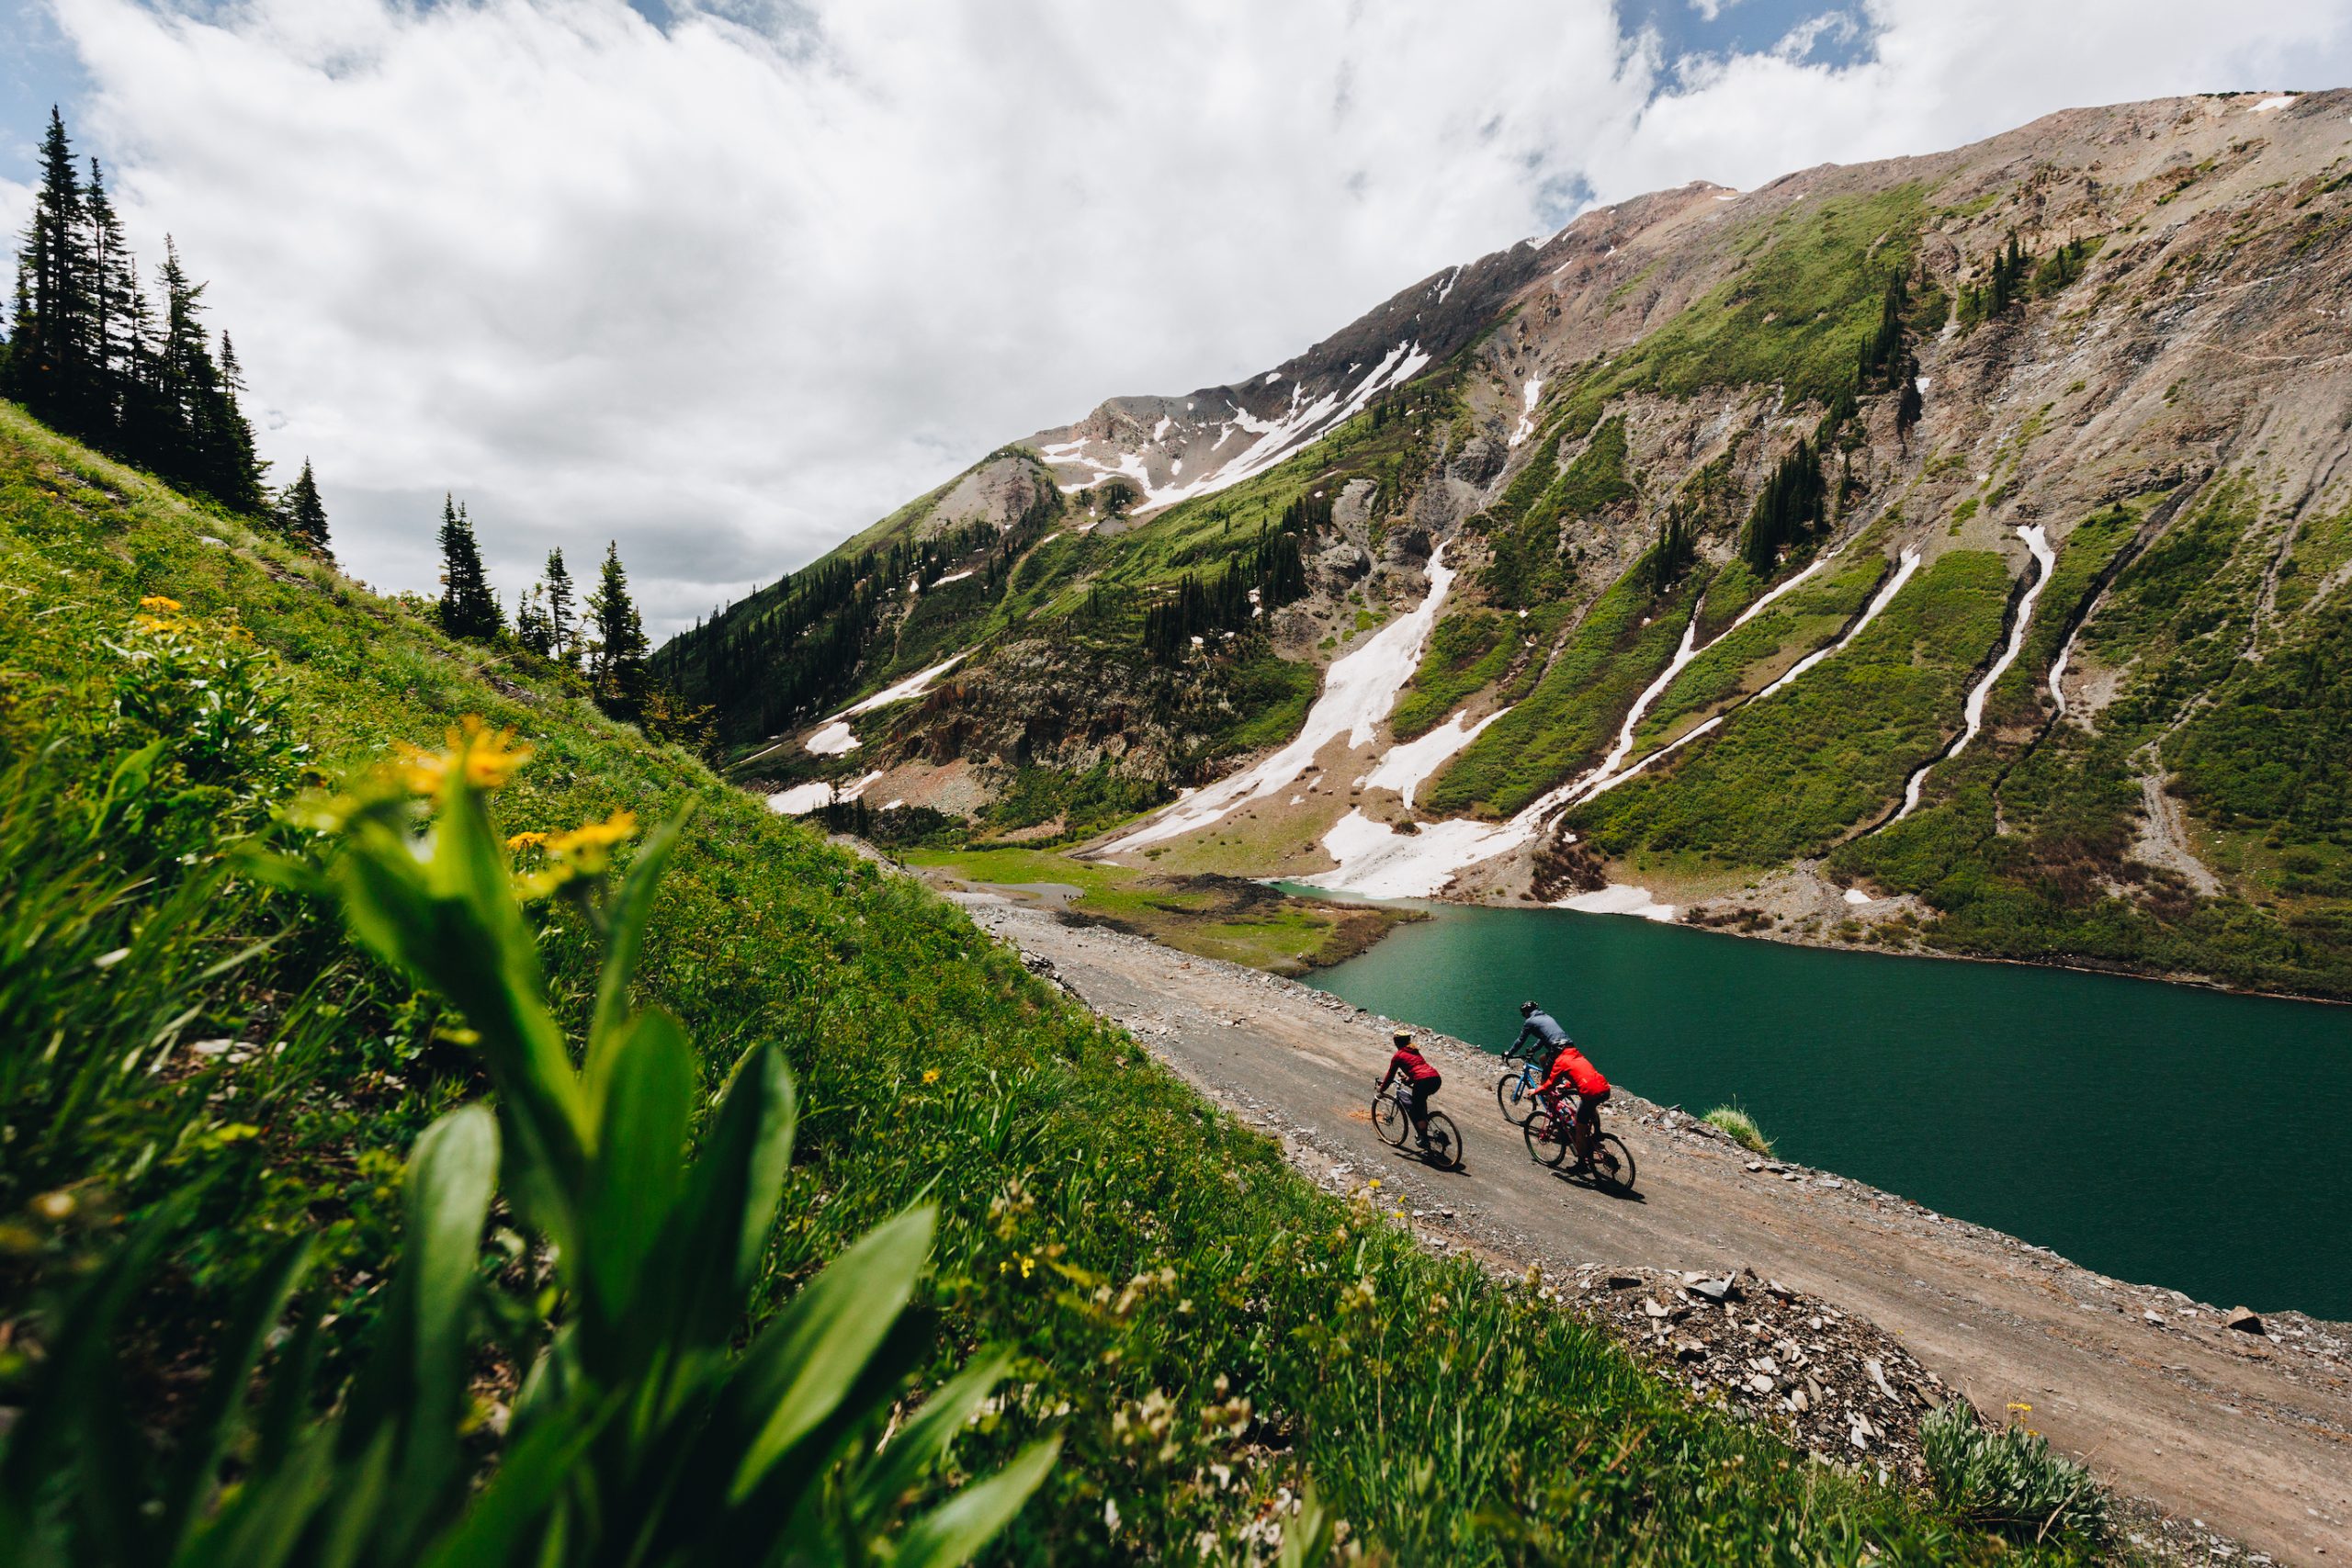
641,1434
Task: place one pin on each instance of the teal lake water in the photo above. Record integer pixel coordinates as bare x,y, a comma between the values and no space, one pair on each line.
2159,1133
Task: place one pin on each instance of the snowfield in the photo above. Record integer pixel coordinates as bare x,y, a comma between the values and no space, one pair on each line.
1278,439
1359,690
833,740
801,799
912,686
1532,391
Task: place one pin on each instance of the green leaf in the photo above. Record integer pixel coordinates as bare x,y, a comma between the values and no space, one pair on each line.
920,1443
450,1180
262,1524
804,1363
530,1474
639,1163
209,1433
130,777
464,939
736,1185
1312,1534
624,938
955,1532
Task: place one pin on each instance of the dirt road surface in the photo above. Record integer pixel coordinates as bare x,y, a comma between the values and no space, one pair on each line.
2237,1437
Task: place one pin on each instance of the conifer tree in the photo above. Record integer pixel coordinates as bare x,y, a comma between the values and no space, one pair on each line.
114,284
531,621
86,355
617,662
49,359
563,625
468,610
302,515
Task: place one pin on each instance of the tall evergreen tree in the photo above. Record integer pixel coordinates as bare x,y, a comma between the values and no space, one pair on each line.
617,662
114,286
563,624
50,366
87,353
302,515
468,609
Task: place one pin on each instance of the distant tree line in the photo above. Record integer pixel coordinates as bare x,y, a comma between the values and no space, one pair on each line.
785,652
1265,576
2014,276
90,354
600,637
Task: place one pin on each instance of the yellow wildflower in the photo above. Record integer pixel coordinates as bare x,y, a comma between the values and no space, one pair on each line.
931,1074
518,842
489,756
588,849
157,604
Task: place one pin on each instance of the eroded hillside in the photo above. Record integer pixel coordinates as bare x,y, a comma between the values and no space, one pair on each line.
1947,551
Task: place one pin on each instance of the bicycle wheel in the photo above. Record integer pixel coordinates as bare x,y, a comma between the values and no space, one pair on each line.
1388,1120
1547,1143
1612,1162
1512,1094
1445,1149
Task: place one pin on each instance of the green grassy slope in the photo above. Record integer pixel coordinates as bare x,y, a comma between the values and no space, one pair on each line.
1204,1325
1787,776
1566,724
2020,844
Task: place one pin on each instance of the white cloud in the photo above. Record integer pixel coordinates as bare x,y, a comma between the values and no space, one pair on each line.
729,291
1941,75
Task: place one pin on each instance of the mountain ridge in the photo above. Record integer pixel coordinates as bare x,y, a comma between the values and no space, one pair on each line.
2110,331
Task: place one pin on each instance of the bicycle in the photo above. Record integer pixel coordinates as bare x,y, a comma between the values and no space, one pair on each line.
1392,1118
1550,1134
1515,1093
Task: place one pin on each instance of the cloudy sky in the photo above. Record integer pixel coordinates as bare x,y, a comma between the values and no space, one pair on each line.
726,279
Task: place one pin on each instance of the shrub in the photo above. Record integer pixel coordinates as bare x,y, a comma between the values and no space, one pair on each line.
1740,1127
2009,1480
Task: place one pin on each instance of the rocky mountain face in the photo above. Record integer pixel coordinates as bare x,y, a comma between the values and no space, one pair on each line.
1951,551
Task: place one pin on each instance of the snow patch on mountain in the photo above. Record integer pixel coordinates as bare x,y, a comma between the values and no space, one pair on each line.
1278,439
801,799
1359,690
912,686
1407,767
1532,391
2045,560
833,740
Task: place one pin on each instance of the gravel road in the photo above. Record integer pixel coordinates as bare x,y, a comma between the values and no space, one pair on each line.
2239,1443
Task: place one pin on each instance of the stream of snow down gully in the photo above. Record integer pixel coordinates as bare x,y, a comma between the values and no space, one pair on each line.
1377,862
2044,559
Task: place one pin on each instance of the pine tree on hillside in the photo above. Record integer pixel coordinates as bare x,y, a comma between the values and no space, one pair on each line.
114,291
616,659
468,609
49,359
531,621
90,355
563,625
302,515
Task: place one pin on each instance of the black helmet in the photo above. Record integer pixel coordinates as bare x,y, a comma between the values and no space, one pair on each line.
1526,1008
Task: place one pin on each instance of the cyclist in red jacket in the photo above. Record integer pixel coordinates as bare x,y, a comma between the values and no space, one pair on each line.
1414,1068
1570,1070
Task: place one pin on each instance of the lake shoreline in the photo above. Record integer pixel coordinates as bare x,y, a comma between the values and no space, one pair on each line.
1824,943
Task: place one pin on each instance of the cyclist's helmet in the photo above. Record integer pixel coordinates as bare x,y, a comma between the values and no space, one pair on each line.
1526,1008
1403,1037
